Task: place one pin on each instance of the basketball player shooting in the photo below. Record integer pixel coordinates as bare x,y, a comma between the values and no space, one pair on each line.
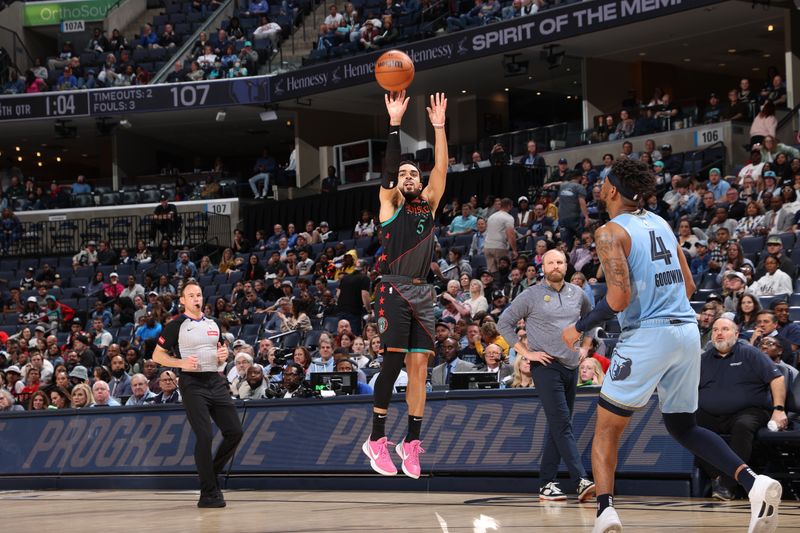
649,286
403,299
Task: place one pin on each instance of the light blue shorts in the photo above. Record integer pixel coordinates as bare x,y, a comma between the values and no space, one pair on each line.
656,356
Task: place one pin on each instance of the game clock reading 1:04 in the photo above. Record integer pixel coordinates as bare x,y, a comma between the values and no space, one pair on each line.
66,105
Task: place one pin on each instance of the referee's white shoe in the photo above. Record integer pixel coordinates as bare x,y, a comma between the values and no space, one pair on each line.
765,497
607,522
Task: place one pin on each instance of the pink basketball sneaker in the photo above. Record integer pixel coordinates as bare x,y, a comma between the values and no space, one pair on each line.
409,453
379,459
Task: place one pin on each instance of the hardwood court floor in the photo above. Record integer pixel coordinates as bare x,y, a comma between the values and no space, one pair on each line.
306,512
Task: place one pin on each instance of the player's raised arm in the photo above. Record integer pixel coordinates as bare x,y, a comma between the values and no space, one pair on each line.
396,105
436,183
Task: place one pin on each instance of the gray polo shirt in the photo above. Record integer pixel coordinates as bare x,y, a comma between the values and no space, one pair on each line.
546,312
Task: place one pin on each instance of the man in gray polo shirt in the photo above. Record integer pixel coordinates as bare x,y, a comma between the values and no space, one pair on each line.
546,308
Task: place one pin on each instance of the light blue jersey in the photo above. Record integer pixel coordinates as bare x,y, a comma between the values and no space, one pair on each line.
657,285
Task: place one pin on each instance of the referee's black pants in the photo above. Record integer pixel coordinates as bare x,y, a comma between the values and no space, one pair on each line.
205,397
556,386
742,427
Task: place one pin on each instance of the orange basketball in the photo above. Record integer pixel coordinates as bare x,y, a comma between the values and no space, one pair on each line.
394,70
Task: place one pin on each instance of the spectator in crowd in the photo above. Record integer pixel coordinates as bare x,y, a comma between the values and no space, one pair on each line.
140,392
464,224
8,402
325,362
590,373
293,384
765,123
773,349
165,220
746,311
254,386
787,329
441,374
501,236
737,398
11,228
82,396
774,282
365,227
102,396
168,382
522,377
767,326
264,168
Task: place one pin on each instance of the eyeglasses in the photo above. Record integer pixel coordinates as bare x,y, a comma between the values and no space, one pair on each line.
768,343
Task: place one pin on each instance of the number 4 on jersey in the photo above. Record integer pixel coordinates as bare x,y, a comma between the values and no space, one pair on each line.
657,249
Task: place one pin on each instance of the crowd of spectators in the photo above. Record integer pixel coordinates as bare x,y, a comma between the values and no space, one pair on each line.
374,24
662,112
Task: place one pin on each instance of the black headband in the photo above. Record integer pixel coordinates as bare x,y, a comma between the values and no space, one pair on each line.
624,191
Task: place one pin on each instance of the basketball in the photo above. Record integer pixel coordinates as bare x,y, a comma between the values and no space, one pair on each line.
394,70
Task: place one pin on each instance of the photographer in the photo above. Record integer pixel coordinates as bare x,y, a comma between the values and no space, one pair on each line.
292,386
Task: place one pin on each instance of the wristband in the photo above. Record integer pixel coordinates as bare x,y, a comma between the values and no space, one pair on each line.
778,408
600,314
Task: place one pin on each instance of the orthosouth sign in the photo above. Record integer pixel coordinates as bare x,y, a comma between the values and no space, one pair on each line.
523,32
54,13
465,433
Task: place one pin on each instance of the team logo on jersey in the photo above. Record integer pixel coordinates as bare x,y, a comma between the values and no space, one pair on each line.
620,367
383,325
161,340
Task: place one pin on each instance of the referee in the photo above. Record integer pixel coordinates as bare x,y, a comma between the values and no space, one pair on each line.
546,308
195,344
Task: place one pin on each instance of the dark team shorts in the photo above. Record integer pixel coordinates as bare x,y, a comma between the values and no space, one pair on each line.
405,314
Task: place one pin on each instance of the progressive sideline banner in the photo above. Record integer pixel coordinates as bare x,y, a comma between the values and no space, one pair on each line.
472,432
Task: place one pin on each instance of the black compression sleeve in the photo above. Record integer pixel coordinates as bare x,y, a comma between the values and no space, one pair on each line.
392,164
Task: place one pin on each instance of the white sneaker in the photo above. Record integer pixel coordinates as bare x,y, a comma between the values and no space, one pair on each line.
765,497
607,522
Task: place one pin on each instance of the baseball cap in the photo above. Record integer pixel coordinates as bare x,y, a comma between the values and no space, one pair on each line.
271,276
769,174
712,95
701,243
113,275
239,342
50,297
497,294
774,239
323,223
715,170
151,293
562,161
714,296
39,328
31,269
31,299
658,163
287,282
755,148
248,43
522,199
91,243
76,320
443,324
484,271
80,372
13,368
57,276
666,147
735,274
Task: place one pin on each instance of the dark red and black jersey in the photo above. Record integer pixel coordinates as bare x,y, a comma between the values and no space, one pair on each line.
408,241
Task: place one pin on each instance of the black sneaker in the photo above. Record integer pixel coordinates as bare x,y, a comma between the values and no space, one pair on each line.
551,492
720,492
212,501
